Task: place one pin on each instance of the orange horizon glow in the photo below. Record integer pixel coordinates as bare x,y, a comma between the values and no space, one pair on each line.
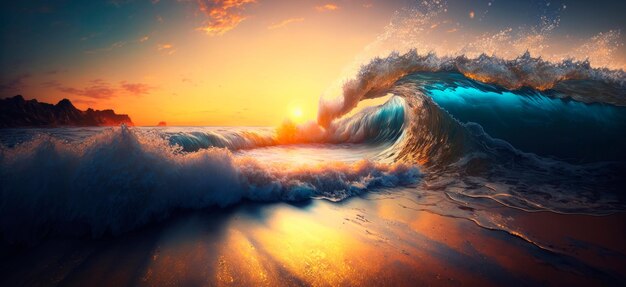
252,62
249,74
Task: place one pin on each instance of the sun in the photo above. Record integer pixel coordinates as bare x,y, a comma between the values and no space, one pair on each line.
296,113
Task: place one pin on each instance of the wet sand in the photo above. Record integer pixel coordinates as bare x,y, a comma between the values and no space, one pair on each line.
389,239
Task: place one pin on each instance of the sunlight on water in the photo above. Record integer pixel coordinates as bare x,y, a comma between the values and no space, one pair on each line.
314,154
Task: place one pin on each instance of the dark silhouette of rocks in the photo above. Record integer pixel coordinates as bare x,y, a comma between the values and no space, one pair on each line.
17,112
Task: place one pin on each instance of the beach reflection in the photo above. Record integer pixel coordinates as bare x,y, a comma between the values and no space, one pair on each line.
379,239
361,242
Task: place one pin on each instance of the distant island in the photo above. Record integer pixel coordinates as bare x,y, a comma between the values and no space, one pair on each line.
18,112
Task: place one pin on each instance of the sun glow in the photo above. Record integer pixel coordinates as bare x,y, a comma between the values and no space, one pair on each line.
296,113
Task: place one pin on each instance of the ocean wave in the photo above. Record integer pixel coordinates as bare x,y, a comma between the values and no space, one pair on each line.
197,140
121,179
380,74
474,163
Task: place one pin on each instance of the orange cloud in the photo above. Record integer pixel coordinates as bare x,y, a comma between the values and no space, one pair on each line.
99,89
327,7
224,15
284,23
136,89
167,48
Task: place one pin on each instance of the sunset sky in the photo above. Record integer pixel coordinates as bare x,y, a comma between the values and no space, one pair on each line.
231,62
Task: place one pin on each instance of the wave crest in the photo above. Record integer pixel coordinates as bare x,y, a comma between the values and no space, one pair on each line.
379,75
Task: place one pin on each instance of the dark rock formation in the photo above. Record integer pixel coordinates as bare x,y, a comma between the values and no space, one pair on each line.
17,112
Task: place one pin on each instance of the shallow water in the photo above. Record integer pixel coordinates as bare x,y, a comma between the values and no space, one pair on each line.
313,154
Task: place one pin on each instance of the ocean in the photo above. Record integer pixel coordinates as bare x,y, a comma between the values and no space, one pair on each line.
473,149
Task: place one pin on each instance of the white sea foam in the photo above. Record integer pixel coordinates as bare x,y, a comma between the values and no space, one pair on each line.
122,179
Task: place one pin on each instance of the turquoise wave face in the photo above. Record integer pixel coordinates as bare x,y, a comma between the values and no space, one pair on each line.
373,125
533,121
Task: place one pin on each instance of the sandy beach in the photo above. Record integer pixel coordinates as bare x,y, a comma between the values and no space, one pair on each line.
378,239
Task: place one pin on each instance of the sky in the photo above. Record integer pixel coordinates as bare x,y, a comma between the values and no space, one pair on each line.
258,62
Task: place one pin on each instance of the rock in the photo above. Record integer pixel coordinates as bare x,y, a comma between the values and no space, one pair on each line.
18,112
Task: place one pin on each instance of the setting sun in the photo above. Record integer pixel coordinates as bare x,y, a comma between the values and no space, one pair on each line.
296,114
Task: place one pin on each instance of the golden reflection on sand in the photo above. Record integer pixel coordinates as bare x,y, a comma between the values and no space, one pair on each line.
313,252
372,241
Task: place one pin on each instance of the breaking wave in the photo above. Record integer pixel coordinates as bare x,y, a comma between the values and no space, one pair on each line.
121,179
569,79
572,113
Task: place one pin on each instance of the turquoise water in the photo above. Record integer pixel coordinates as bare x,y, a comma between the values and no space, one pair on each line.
533,122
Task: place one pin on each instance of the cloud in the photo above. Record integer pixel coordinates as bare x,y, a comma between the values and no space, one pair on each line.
90,36
143,39
188,81
136,89
113,46
224,15
327,7
118,3
166,48
15,84
50,84
284,23
97,89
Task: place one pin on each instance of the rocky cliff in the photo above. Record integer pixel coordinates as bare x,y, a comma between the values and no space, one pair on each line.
17,112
